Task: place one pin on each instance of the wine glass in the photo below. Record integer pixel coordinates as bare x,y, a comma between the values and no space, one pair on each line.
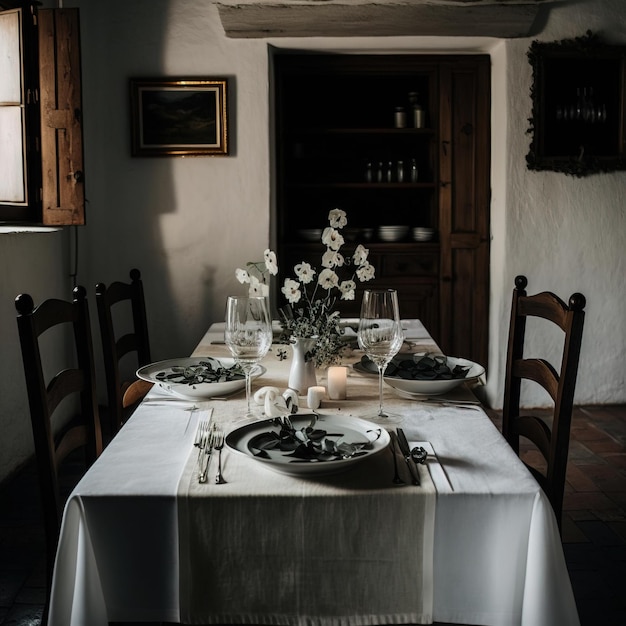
380,334
248,334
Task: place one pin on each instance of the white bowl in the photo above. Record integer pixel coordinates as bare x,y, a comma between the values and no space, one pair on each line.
155,373
422,234
435,387
392,233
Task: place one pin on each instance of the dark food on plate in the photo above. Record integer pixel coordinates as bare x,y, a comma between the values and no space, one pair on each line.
209,371
428,367
307,444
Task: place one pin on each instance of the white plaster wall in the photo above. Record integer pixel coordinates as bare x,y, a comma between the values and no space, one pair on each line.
34,264
565,234
187,223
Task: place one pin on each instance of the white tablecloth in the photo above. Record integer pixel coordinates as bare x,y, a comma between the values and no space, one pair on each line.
497,556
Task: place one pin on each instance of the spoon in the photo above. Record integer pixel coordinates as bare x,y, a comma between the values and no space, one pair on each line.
419,455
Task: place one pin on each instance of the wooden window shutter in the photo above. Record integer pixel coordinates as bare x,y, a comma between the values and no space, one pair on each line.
63,189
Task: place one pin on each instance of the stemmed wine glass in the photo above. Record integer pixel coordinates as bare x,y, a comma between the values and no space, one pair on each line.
248,334
380,334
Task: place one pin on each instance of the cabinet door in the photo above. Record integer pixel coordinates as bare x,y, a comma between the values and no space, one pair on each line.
464,208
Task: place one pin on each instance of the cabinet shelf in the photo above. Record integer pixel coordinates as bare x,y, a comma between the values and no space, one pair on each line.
368,186
380,247
322,130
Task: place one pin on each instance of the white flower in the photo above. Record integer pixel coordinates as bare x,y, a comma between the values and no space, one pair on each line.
304,272
316,292
332,238
270,262
360,255
347,288
337,218
291,290
242,275
332,258
328,279
365,272
257,288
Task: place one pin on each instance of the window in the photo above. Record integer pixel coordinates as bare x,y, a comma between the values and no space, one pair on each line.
40,117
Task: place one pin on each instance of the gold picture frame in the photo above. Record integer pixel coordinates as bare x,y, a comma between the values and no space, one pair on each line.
179,117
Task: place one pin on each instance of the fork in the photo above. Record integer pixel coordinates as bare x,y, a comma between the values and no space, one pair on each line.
201,437
205,452
218,444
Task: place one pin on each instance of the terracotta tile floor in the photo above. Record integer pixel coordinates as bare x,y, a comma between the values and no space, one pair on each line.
594,527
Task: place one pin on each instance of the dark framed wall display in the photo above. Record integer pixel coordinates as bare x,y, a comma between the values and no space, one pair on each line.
179,117
578,119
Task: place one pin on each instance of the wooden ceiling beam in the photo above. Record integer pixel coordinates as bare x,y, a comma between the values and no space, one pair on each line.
380,18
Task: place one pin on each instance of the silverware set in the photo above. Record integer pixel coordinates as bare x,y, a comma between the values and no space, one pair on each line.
208,438
413,458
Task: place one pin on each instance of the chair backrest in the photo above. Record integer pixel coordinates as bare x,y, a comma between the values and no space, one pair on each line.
77,380
550,436
118,341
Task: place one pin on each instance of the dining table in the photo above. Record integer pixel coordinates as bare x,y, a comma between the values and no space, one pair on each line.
475,542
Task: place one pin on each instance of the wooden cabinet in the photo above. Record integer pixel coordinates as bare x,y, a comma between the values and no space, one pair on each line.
338,145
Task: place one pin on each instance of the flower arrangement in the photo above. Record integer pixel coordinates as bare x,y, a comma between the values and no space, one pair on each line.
310,311
256,274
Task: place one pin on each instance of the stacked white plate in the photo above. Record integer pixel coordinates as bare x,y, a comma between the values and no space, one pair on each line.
392,233
422,234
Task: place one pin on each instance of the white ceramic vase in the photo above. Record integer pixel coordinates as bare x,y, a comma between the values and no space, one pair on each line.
302,372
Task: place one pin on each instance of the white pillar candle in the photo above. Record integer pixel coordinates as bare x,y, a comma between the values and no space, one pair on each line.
314,397
337,376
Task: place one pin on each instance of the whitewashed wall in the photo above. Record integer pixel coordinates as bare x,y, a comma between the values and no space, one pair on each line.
187,223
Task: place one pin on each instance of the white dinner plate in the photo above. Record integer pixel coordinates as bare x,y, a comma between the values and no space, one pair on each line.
340,429
193,391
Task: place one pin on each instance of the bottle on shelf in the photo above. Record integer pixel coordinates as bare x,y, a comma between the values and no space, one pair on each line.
369,172
379,172
417,110
400,171
399,119
414,171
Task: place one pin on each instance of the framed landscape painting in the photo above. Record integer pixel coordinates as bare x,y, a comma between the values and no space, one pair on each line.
179,117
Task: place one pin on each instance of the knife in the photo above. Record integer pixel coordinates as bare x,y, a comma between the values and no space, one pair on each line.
406,453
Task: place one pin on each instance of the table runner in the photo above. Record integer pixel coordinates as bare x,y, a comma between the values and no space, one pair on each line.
357,549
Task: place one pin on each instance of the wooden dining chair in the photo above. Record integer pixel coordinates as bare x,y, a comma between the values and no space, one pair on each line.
47,392
549,435
123,331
